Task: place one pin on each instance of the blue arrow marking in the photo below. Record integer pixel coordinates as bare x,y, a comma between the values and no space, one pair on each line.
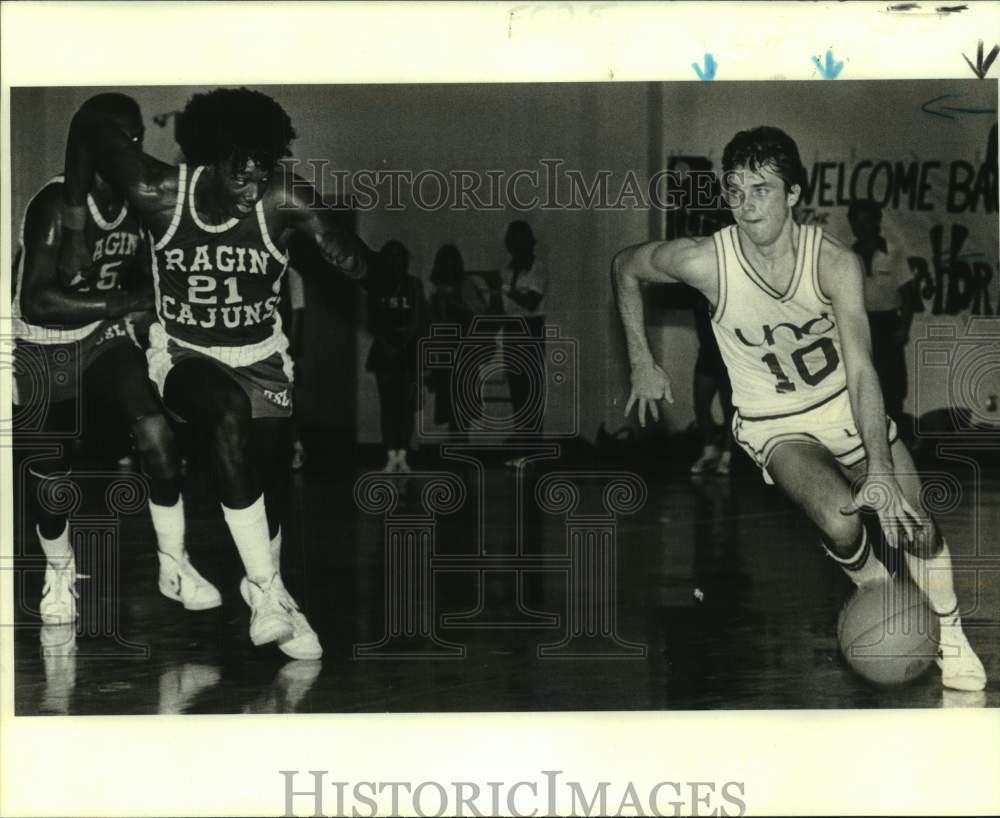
708,73
831,69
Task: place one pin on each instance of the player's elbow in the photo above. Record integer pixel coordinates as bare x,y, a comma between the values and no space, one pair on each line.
621,271
37,309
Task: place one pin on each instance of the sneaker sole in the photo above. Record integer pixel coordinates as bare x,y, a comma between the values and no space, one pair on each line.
275,635
968,684
48,619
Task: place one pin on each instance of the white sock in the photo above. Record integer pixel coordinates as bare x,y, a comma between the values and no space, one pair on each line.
57,551
248,527
933,576
862,566
168,522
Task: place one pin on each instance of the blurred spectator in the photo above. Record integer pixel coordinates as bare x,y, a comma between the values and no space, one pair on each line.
523,285
447,307
396,312
889,300
296,335
711,378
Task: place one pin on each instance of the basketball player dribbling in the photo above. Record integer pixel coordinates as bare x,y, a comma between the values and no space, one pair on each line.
73,341
789,316
219,229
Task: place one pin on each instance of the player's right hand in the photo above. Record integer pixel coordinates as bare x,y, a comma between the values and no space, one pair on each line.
650,385
73,258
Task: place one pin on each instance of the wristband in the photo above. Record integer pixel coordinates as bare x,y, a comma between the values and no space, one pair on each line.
74,217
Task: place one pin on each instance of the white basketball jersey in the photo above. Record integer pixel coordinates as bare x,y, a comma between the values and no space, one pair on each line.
782,350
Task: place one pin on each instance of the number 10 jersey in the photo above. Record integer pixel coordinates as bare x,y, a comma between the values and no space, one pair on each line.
217,285
782,349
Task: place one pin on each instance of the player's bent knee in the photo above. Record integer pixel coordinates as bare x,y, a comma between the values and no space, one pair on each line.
154,440
841,533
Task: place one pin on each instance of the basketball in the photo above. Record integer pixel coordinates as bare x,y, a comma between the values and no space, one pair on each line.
888,633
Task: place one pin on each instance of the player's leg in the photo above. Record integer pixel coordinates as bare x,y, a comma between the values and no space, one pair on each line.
272,443
809,474
202,393
384,384
46,399
928,560
47,490
119,378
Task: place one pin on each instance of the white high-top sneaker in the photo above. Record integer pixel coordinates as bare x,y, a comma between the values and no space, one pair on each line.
303,643
960,667
181,582
58,605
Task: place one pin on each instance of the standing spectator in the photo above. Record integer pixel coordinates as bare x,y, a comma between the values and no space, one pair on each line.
395,317
447,307
711,377
523,284
889,301
297,304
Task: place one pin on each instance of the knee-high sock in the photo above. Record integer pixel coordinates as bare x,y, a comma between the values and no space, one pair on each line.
249,529
862,566
933,576
168,522
57,551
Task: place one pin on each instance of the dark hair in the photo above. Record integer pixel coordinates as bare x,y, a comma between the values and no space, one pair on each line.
858,207
519,229
111,103
449,268
237,124
765,147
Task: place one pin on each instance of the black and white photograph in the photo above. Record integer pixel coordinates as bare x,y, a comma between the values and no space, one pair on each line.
536,397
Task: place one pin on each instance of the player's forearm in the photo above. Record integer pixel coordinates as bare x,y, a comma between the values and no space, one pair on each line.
869,413
628,293
53,306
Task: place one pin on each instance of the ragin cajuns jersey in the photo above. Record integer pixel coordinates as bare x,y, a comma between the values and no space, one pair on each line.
216,285
782,350
115,248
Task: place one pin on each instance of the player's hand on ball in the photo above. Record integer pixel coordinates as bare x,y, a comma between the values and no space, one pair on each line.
73,258
881,493
650,385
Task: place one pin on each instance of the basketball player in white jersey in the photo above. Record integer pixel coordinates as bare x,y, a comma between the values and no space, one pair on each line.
220,229
789,315
72,342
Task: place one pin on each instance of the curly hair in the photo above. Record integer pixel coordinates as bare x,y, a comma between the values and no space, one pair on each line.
235,124
765,147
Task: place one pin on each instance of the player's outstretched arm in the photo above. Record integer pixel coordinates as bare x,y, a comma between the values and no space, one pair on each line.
330,229
44,301
841,279
660,262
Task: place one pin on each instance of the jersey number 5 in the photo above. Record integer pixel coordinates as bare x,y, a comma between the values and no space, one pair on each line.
811,378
